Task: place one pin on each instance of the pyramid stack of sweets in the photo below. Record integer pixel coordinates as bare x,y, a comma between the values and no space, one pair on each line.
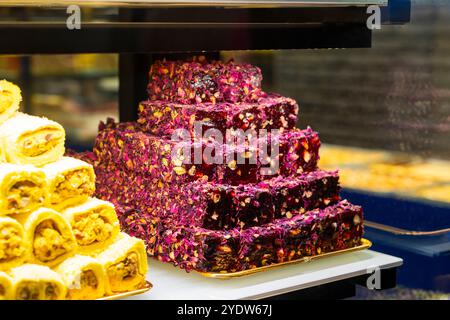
226,215
56,240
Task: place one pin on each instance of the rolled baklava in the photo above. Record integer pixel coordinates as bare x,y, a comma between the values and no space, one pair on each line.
70,181
49,236
32,140
84,277
35,282
13,245
125,262
94,224
6,286
10,98
23,189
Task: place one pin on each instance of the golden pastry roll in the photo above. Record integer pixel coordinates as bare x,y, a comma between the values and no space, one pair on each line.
13,245
36,282
94,224
125,263
6,286
2,153
23,189
70,181
32,140
49,235
10,98
84,278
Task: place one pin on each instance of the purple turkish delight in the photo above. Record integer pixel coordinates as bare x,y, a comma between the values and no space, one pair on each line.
199,249
219,206
202,81
164,117
336,227
139,224
176,162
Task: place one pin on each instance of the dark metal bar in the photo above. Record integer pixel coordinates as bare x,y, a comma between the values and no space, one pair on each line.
189,4
330,291
274,15
133,78
52,40
388,278
25,81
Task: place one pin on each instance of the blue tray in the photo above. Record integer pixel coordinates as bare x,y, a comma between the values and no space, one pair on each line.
402,213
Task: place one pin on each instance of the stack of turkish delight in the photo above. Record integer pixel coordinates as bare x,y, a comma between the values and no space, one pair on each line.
251,206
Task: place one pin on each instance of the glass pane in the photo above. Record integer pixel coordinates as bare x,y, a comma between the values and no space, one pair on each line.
383,114
75,90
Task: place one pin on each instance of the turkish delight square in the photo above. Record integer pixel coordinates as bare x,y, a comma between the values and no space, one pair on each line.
176,162
164,118
200,80
221,206
318,231
199,249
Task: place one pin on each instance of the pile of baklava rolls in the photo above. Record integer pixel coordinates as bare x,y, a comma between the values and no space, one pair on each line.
56,240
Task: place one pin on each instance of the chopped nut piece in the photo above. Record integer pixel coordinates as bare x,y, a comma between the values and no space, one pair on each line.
179,170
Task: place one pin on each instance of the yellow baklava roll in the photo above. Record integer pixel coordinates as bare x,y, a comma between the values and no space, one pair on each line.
35,282
23,189
84,278
70,181
2,153
13,245
6,286
32,140
10,98
94,224
49,235
125,263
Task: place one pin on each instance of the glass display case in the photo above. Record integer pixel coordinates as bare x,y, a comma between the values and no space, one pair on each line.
379,99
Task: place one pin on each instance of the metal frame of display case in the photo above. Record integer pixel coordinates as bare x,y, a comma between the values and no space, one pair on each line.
206,27
142,31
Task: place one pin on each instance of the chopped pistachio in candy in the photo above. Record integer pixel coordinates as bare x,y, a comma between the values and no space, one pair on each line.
140,224
220,206
163,118
199,81
168,161
212,205
299,151
262,246
131,190
315,232
199,249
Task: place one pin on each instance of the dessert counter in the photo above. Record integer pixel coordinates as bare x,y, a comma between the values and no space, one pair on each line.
213,208
325,276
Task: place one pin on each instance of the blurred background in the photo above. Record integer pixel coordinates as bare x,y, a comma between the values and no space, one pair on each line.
383,115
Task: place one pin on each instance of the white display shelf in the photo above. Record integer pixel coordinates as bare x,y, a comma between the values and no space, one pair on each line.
172,283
